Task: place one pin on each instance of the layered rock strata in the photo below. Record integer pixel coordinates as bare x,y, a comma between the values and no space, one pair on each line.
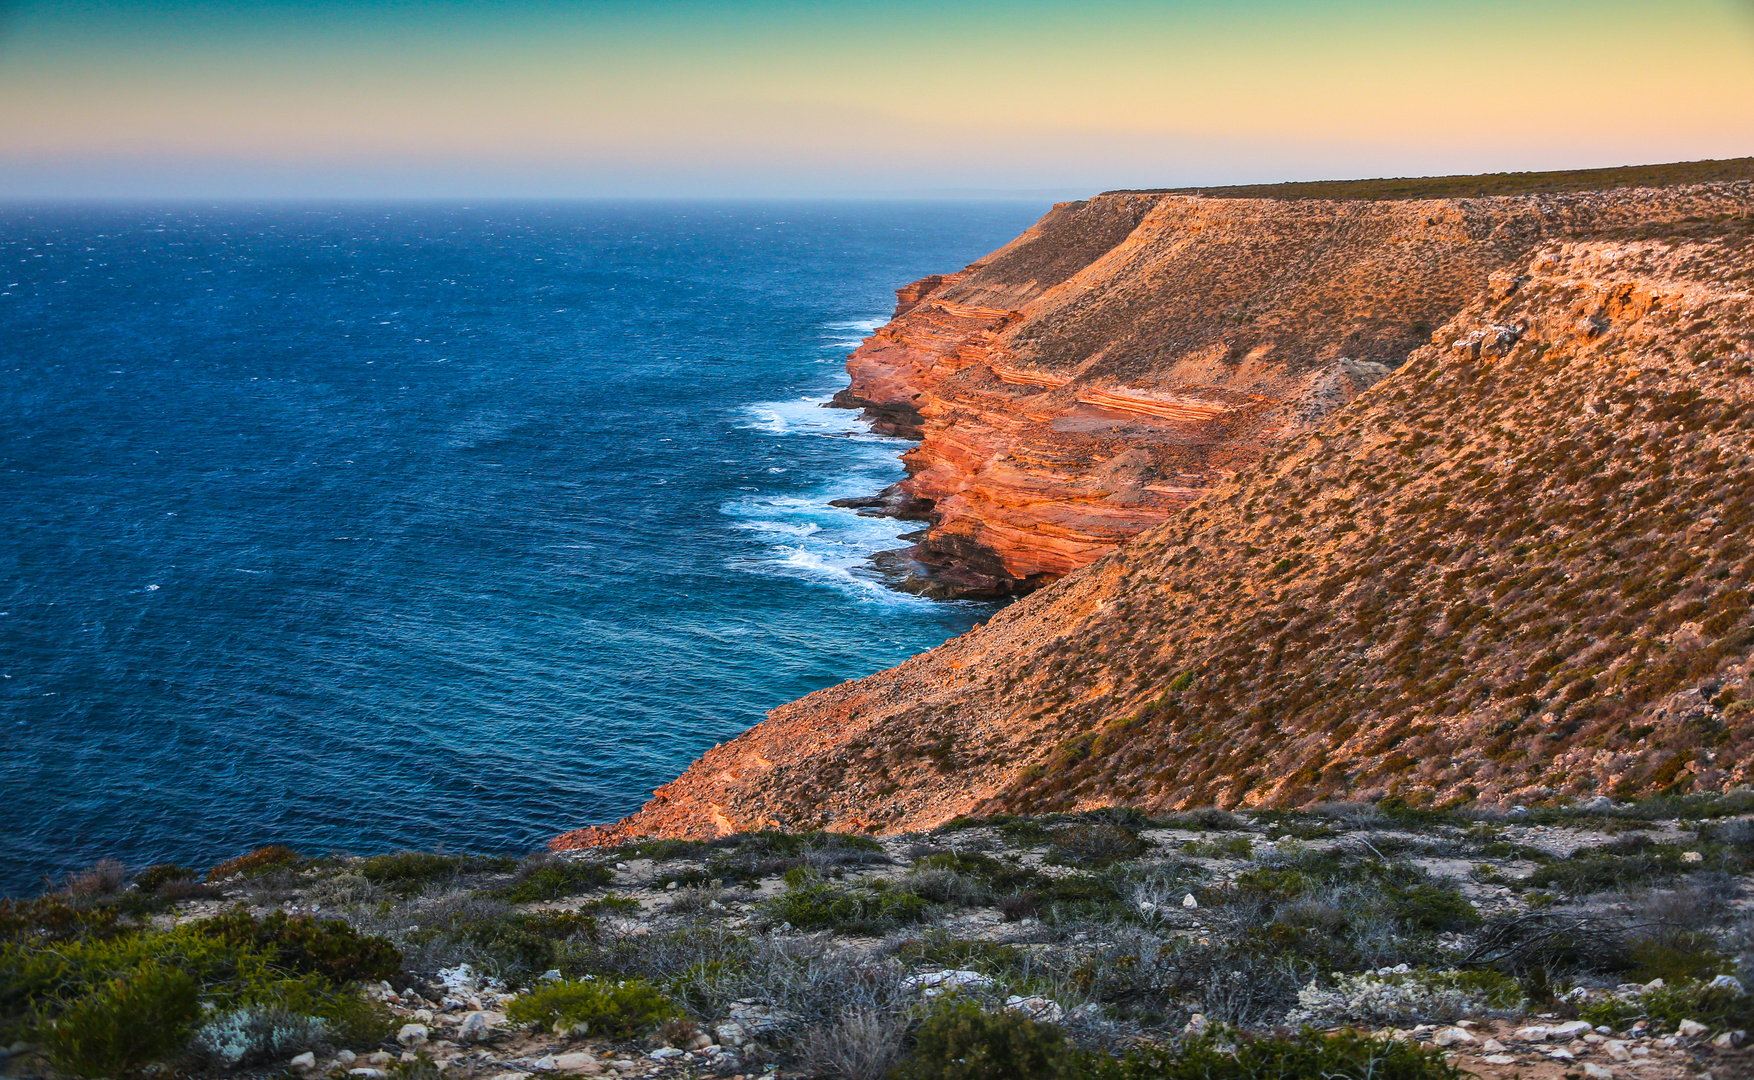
1128,353
1519,568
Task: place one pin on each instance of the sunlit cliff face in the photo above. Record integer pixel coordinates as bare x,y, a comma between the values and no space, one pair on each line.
769,98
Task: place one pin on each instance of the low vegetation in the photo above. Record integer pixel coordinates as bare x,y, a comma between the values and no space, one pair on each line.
1107,945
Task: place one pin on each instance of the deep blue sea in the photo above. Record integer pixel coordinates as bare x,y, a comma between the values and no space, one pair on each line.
359,528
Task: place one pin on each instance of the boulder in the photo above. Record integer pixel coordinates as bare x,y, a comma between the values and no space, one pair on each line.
474,1028
412,1035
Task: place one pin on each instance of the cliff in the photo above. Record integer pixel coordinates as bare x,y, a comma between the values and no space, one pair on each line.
1128,353
1517,568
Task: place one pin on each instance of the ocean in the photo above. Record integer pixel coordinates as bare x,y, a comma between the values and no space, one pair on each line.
428,526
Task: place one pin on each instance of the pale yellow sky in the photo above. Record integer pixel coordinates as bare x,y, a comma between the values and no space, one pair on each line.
777,98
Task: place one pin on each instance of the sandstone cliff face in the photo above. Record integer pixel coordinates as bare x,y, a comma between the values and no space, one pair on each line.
1128,353
1518,567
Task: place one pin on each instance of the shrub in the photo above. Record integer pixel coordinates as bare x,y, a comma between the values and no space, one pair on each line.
751,856
1093,845
936,949
256,1034
102,878
1306,1056
408,872
615,1010
811,904
259,861
522,945
304,944
1402,997
51,918
1665,1007
1624,864
553,877
136,1019
1678,957
962,1041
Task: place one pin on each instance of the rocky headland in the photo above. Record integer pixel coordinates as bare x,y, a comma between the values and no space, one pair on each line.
1127,353
1514,569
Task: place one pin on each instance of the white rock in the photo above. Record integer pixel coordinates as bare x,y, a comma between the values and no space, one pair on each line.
508,1076
936,982
1692,856
731,1034
1560,1053
1616,1049
346,1057
1499,1059
368,1074
670,887
1690,1028
1598,1072
1534,1033
304,1063
1729,1040
545,1063
413,1035
474,1028
1728,982
1493,1046
1046,1010
664,1053
1571,1030
1451,1036
1189,902
1654,984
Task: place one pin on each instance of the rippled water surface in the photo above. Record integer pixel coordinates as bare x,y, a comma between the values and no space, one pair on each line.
358,528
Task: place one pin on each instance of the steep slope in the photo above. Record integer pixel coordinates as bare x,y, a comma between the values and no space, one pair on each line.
1127,353
1518,567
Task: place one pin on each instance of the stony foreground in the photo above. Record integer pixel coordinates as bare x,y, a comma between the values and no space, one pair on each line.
1607,942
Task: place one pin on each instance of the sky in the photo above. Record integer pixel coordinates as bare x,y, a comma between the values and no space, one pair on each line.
773,98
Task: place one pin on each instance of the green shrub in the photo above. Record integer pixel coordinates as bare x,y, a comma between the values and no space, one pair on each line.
939,950
141,1017
553,878
1306,1056
1678,957
259,861
1635,861
1667,1006
408,872
811,904
615,1010
962,1041
153,878
306,945
50,919
527,944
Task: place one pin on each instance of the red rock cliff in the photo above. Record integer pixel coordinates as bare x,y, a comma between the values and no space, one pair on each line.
1519,567
1127,353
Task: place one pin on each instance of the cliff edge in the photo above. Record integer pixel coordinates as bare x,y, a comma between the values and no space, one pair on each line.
1517,568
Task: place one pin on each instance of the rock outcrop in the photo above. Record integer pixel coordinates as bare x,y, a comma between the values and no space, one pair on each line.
1518,568
1128,353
